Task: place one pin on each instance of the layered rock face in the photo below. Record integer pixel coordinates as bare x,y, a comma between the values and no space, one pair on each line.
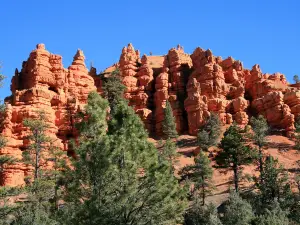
196,85
43,84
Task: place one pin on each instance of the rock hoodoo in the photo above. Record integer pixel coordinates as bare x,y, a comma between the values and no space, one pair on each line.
195,84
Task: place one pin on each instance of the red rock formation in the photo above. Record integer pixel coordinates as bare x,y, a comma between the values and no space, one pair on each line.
196,107
196,85
43,84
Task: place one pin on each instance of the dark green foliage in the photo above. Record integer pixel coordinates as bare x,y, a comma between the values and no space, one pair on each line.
208,134
274,184
296,79
234,153
201,215
201,175
169,124
169,153
297,133
260,128
34,153
118,173
113,89
237,211
274,216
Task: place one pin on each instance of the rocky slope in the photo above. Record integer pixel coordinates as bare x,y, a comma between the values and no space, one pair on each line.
195,84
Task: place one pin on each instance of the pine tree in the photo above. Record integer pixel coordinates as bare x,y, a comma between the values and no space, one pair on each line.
113,89
234,153
275,216
42,194
274,183
34,154
260,128
201,175
297,133
197,214
169,153
169,124
296,79
209,133
118,173
237,211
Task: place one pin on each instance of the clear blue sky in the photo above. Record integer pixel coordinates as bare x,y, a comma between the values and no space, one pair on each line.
255,31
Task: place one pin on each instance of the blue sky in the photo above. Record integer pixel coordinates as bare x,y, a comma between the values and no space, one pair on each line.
255,31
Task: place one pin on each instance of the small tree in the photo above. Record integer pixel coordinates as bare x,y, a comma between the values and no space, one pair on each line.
274,183
169,125
234,153
237,211
296,79
169,153
39,141
208,134
260,128
275,216
198,214
113,89
297,133
201,175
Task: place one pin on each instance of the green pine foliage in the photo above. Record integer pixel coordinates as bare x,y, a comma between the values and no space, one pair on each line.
237,211
34,154
113,88
297,133
118,174
200,174
274,185
169,124
197,214
260,130
273,216
234,153
169,154
209,133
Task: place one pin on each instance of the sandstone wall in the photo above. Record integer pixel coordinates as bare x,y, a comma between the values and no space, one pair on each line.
196,85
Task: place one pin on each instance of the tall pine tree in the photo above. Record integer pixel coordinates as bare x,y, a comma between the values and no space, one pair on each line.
201,175
113,89
209,133
234,153
118,174
260,128
169,124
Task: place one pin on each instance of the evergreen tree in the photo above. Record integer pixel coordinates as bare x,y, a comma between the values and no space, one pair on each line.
42,194
296,79
169,124
237,211
297,133
275,216
201,175
169,153
113,89
274,184
39,141
118,173
201,215
210,132
234,153
260,128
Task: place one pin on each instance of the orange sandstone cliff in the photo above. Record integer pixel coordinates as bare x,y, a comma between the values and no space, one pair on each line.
195,84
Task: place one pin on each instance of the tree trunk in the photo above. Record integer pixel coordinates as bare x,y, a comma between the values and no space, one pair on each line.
260,161
203,192
236,178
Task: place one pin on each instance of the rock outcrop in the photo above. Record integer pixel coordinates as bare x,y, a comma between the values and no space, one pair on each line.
43,84
196,85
